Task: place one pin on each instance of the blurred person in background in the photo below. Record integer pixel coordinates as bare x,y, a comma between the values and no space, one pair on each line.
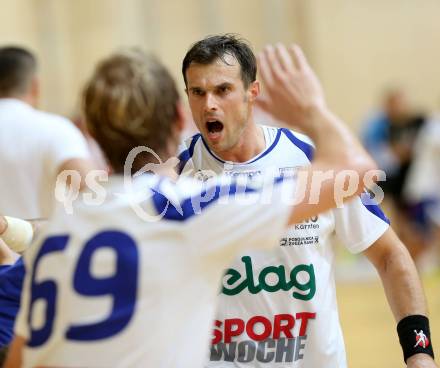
376,129
290,293
35,146
390,137
422,187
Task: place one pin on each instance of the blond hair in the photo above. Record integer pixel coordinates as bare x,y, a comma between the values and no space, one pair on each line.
131,100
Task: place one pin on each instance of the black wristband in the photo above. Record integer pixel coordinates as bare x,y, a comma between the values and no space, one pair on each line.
414,336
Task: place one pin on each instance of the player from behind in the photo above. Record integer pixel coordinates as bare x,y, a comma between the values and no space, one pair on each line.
279,309
105,287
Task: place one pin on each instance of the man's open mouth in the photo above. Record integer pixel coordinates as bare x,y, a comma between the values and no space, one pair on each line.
214,126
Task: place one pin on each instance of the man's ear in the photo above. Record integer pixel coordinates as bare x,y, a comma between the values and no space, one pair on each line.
254,90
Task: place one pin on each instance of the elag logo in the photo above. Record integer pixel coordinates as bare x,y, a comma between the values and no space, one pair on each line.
300,280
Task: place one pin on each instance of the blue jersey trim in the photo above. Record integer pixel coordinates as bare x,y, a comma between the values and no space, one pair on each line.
261,155
272,146
11,284
307,148
186,209
375,210
186,155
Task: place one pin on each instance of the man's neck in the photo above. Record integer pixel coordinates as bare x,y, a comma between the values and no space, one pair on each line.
251,144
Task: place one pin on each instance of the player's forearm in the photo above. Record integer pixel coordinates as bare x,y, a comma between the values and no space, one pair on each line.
406,298
338,170
400,279
405,293
335,143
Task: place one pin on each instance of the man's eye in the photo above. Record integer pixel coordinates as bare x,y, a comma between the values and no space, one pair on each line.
197,92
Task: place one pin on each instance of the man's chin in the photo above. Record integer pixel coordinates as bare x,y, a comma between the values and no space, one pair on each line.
218,146
214,138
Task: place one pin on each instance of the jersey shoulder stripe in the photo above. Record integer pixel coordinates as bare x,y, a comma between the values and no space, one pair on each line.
185,208
305,147
186,155
374,208
270,149
263,154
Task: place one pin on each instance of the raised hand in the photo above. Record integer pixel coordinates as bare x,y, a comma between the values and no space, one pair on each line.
292,90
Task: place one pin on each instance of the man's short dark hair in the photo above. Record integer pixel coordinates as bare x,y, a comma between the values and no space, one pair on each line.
17,68
211,48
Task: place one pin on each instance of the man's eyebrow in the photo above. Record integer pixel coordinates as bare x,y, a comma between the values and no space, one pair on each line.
220,85
224,84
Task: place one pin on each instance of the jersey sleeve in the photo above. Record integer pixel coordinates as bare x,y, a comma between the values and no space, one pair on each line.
423,180
358,224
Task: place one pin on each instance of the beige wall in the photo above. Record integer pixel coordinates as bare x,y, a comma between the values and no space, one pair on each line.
361,47
357,47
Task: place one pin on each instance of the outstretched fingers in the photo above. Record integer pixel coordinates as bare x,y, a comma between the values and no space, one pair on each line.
284,58
298,57
264,69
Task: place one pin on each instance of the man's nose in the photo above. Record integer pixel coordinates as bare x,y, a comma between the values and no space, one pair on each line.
210,102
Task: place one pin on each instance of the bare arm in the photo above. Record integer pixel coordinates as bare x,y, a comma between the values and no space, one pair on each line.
294,95
401,283
81,166
13,359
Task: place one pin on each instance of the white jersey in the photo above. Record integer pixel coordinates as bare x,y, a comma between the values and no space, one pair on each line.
110,287
33,146
279,309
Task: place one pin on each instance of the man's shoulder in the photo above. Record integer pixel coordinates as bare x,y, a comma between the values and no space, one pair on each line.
51,120
14,109
285,141
278,130
299,136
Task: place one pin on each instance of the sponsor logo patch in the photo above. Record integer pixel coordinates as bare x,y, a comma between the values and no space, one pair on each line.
300,281
267,340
